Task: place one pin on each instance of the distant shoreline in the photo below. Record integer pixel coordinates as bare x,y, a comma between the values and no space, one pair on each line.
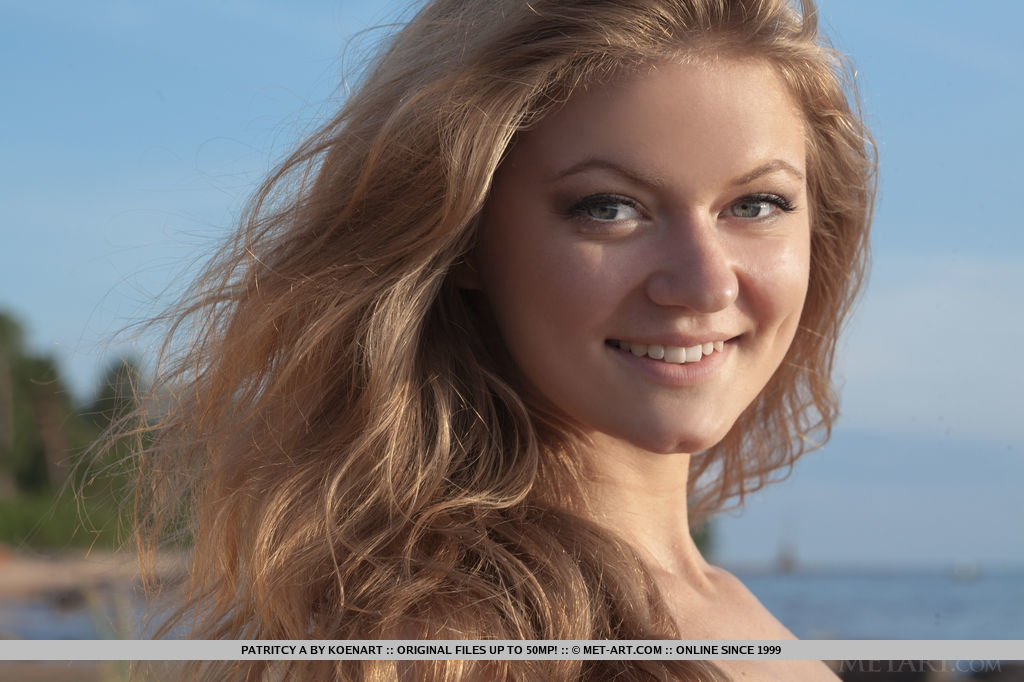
33,575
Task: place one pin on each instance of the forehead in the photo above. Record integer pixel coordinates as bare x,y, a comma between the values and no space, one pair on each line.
674,120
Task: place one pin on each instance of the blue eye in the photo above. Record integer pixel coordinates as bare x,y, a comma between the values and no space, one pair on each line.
760,206
605,208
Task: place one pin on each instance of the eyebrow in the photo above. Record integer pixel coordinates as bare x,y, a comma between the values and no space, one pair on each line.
607,164
773,166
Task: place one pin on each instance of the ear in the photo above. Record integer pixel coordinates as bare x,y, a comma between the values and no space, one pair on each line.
465,273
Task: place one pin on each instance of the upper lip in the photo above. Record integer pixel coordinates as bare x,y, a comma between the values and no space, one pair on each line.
678,340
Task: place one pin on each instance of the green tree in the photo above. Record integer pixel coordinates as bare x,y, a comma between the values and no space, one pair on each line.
116,396
10,343
116,399
43,436
36,415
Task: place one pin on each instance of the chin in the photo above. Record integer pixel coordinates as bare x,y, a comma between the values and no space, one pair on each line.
672,442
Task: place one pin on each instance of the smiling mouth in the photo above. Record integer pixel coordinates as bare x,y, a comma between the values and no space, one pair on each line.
675,355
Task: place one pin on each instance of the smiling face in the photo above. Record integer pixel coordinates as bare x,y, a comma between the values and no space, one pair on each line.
645,251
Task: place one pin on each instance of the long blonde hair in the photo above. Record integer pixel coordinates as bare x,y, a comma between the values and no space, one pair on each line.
336,434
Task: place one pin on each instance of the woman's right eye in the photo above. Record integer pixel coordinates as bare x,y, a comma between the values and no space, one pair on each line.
605,208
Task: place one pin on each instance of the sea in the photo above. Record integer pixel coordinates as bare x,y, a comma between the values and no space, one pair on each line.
813,604
937,604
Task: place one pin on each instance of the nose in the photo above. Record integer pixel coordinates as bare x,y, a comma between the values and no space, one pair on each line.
694,268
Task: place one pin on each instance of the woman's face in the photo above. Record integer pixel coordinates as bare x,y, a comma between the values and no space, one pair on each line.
645,250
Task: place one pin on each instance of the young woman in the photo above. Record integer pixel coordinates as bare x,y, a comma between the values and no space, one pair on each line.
559,281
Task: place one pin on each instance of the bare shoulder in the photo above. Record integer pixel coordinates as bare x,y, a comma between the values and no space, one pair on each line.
746,608
753,621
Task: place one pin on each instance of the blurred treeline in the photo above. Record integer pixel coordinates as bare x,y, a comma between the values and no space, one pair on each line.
55,491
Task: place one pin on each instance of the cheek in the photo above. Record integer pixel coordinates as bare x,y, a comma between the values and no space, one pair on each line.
791,298
537,280
791,287
777,287
520,287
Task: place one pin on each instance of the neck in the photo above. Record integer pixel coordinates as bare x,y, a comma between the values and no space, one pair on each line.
642,497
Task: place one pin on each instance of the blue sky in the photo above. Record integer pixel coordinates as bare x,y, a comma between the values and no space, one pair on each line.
132,134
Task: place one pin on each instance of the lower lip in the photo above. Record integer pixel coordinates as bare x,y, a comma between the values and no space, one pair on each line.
672,374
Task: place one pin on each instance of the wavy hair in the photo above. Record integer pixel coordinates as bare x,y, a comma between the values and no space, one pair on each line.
337,435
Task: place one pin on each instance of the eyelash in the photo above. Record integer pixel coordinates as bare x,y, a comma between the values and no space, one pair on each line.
780,202
578,210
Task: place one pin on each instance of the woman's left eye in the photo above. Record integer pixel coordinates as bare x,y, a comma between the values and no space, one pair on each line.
605,208
760,206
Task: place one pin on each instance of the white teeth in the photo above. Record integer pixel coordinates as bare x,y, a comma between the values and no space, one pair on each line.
673,354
